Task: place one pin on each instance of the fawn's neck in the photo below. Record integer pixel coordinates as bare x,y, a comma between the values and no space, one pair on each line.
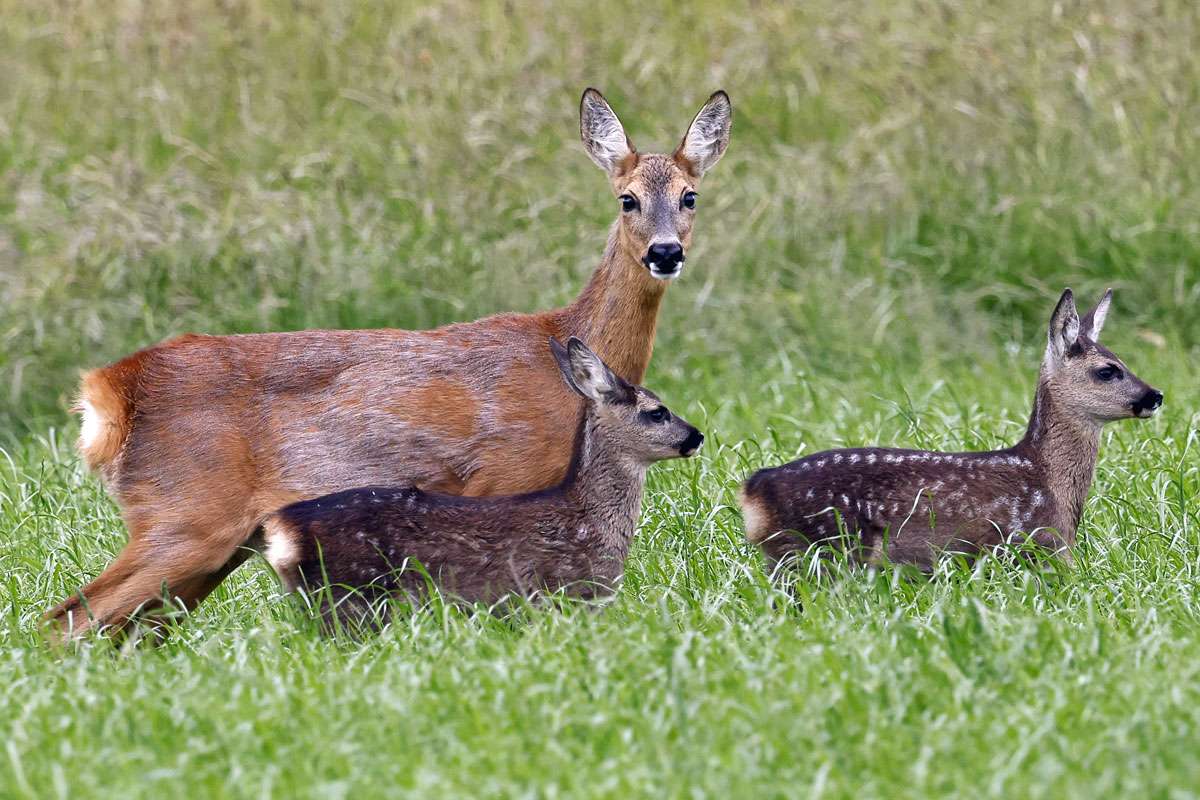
1064,446
616,314
605,484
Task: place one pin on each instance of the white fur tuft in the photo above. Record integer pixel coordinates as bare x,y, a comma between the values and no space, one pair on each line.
756,517
92,427
281,551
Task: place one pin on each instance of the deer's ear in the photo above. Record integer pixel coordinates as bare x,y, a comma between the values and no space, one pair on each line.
563,359
591,377
603,135
1064,326
707,136
1093,323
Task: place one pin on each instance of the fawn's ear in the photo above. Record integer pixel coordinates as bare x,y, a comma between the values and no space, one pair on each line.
587,374
1064,327
603,135
1093,323
707,136
563,359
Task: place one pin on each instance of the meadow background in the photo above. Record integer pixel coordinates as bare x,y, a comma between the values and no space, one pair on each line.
908,188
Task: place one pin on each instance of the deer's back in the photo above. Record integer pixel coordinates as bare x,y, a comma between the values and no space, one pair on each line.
269,418
477,549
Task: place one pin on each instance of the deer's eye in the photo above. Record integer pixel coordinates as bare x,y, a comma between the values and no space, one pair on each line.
659,414
689,200
628,203
1108,373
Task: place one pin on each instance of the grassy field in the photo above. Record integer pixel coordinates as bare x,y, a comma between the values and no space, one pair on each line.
908,188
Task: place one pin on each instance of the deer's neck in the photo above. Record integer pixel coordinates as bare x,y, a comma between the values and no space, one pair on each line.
1064,446
605,485
616,314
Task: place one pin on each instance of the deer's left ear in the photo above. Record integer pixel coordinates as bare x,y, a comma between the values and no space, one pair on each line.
1093,323
1064,326
707,136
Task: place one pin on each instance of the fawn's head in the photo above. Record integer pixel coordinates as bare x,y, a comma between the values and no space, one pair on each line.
657,192
1087,377
634,420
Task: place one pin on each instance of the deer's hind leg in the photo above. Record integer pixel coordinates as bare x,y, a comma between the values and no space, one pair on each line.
182,562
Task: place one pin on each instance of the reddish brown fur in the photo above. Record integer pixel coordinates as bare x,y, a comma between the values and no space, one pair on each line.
203,436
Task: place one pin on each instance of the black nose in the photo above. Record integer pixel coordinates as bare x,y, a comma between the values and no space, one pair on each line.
692,443
664,256
1150,401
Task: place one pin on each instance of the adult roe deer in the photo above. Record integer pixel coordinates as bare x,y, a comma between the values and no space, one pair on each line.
357,547
200,437
911,505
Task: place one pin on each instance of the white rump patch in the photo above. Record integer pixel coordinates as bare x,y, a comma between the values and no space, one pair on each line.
92,427
756,518
281,552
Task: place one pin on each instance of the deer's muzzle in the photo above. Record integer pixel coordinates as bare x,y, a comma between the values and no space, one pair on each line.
1147,404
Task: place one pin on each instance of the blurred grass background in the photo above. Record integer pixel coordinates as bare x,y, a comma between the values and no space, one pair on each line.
256,165
908,188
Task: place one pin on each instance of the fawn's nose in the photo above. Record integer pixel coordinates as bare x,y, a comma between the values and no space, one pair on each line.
663,258
691,444
1148,403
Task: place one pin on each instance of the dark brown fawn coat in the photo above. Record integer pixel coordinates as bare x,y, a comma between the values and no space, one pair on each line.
200,437
913,505
363,545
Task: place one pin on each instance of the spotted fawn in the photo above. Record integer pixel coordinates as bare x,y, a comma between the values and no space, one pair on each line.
912,505
364,545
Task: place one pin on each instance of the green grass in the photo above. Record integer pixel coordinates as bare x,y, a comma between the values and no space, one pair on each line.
908,188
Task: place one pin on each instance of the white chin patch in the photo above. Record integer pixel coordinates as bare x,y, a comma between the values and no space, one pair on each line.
1146,413
663,275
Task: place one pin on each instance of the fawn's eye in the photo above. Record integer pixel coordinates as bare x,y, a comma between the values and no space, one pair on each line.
1108,373
659,414
689,200
628,203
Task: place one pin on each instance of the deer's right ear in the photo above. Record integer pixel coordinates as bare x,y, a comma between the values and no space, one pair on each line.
1064,326
603,135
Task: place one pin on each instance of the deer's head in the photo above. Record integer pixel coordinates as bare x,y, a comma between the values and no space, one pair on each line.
1087,378
657,192
633,419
